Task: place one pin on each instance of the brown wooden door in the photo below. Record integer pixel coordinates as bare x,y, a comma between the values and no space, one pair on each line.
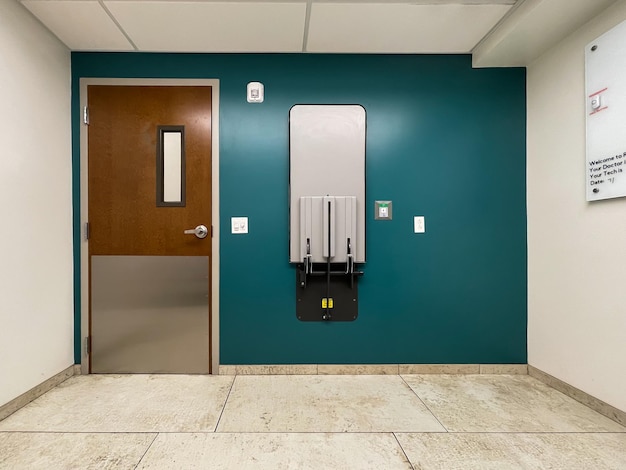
130,224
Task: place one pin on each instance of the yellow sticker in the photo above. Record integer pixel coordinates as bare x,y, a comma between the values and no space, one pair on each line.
325,303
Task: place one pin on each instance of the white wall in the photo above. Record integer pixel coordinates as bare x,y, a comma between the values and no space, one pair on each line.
36,318
576,250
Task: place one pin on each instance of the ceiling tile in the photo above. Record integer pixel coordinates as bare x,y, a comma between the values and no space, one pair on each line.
80,25
400,28
183,26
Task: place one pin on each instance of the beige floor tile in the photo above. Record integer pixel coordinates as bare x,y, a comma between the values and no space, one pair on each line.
126,403
592,402
506,403
46,451
515,451
325,404
275,451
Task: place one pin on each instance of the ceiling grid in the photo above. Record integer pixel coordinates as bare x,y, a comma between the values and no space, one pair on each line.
117,24
307,23
495,32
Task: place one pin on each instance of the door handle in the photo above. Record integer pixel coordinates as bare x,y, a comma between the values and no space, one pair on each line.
200,231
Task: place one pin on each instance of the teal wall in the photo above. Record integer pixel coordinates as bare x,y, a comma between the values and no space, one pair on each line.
443,140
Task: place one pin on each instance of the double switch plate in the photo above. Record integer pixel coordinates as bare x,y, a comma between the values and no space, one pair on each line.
239,225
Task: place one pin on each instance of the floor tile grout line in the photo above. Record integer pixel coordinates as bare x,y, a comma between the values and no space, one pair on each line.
403,451
597,433
232,384
420,399
149,447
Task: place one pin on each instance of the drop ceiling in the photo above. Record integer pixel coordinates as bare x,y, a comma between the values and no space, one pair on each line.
492,27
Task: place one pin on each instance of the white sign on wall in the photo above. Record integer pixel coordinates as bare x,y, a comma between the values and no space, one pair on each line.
605,60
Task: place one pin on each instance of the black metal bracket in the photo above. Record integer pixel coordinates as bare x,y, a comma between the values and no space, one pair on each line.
313,298
327,291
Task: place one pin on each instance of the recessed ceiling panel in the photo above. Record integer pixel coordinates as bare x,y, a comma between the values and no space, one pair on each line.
80,25
400,28
180,26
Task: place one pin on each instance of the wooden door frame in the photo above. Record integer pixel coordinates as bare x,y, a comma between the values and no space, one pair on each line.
215,206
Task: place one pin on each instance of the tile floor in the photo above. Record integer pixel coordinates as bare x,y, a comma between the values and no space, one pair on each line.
380,422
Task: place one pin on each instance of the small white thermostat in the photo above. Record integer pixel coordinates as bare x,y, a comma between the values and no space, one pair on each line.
255,92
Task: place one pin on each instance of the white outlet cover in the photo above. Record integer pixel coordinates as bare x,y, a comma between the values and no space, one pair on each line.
419,225
239,225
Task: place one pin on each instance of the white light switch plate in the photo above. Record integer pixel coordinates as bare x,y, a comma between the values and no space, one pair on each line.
239,225
418,224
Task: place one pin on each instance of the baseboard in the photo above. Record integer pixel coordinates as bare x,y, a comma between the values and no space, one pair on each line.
25,398
592,402
372,369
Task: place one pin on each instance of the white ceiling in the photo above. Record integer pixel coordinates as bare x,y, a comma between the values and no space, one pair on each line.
400,27
503,32
384,26
533,27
